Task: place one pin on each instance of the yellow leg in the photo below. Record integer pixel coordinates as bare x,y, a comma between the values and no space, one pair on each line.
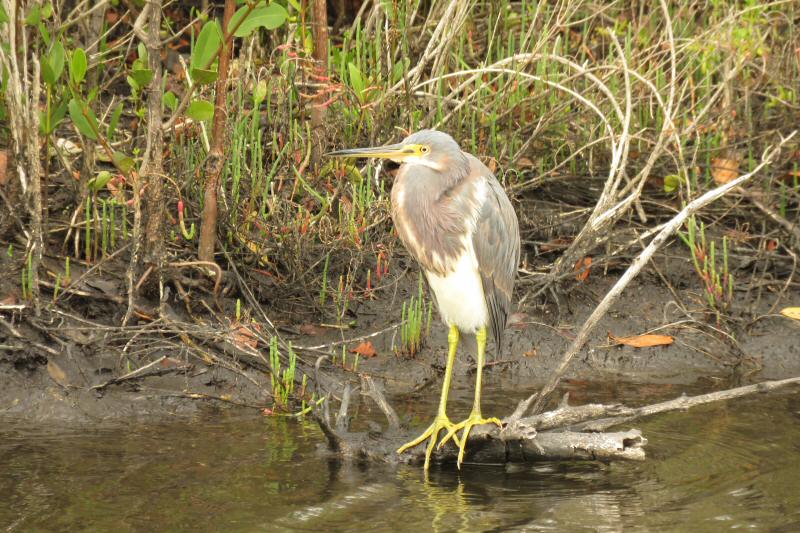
475,417
441,421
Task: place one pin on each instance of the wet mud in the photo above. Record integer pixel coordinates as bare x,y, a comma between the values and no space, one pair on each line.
66,384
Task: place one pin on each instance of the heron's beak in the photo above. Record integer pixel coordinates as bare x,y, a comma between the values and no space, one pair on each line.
397,152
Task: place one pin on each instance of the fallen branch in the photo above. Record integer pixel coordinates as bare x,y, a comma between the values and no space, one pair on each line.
565,433
14,332
684,402
139,372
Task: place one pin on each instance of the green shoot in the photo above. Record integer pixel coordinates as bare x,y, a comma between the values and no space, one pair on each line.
415,322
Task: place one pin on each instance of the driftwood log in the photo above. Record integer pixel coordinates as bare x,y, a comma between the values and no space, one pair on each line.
565,433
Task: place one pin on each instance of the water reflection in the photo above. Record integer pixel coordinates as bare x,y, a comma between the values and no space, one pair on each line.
723,466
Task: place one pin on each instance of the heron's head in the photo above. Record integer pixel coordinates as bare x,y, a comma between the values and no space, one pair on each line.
430,148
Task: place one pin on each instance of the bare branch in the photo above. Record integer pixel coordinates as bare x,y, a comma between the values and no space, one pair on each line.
642,259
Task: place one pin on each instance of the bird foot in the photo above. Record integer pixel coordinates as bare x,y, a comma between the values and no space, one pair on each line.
475,419
432,434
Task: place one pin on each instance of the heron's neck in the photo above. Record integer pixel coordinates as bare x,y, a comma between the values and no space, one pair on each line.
425,209
424,196
437,178
423,187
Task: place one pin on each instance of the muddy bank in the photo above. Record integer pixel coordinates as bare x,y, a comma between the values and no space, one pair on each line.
47,379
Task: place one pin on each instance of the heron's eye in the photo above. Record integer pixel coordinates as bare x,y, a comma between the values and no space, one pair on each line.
424,149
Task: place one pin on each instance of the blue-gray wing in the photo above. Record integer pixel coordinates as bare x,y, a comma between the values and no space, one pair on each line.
497,247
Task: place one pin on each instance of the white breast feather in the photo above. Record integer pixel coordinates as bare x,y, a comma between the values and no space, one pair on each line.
459,293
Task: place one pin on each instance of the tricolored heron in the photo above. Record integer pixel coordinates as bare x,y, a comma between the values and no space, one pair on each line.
455,219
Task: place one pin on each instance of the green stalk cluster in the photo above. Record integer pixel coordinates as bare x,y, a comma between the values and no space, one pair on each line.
415,322
718,281
282,379
105,222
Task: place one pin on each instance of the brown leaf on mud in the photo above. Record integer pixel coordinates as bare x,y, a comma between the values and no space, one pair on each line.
582,268
791,312
58,375
171,362
531,353
11,299
724,170
365,349
642,341
518,320
524,162
557,244
312,330
3,167
242,336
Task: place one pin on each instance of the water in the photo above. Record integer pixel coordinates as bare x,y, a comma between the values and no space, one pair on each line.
732,465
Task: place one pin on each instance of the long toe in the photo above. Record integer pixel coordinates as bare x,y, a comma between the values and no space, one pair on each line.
431,435
474,420
452,433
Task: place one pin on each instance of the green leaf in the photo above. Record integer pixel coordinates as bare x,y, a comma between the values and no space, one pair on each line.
44,33
237,17
83,118
56,59
3,14
260,92
100,181
356,79
398,69
43,124
269,17
123,162
671,183
142,76
133,83
58,114
48,76
141,49
34,16
170,100
204,76
78,65
112,124
200,110
206,46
